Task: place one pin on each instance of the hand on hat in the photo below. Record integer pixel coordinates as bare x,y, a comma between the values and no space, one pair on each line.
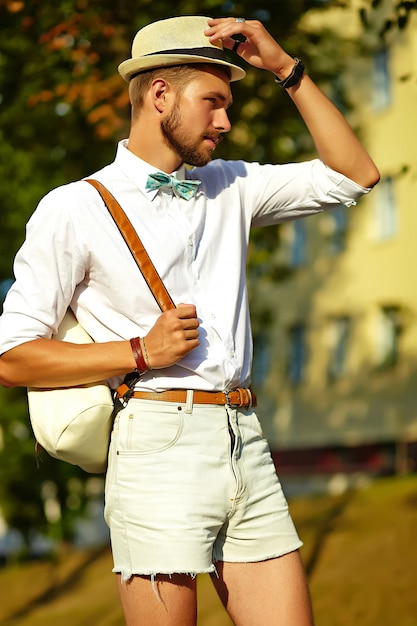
259,49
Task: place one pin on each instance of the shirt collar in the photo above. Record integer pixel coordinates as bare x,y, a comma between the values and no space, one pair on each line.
138,170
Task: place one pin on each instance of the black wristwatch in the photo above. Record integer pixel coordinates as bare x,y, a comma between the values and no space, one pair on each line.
295,76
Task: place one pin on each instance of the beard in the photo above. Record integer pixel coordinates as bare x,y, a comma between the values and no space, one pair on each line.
191,152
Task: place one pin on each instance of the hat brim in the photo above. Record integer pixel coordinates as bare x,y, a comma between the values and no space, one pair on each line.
133,66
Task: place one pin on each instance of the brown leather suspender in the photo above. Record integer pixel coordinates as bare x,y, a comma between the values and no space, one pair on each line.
135,245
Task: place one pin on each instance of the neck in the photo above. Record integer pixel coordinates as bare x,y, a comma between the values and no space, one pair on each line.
148,144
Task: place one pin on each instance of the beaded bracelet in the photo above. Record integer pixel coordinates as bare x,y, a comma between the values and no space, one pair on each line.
295,76
141,365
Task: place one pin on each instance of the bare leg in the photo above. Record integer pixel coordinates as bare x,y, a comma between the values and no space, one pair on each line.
271,593
168,601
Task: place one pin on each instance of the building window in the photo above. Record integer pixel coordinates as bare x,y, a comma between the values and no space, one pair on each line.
381,81
261,359
337,238
389,332
339,340
298,244
297,353
386,215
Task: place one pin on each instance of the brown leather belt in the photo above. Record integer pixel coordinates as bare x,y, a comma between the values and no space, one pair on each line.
240,397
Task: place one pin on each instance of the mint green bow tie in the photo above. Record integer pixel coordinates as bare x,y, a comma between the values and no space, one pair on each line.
185,188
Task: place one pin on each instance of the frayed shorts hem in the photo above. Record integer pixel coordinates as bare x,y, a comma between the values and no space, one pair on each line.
128,574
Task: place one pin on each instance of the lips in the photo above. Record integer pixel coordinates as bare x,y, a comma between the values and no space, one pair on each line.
213,139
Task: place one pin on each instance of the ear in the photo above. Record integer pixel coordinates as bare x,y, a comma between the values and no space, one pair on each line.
161,93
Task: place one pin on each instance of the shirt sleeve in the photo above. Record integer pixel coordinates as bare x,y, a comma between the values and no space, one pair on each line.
270,194
287,192
47,269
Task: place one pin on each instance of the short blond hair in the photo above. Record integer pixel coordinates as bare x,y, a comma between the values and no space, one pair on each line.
179,76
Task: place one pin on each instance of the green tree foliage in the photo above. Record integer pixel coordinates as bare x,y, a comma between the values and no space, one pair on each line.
62,108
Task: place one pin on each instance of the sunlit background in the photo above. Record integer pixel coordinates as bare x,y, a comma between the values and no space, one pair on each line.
334,301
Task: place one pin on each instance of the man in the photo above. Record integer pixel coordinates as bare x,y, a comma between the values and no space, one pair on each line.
190,487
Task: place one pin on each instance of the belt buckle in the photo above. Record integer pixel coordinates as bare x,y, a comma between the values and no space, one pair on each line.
227,396
245,398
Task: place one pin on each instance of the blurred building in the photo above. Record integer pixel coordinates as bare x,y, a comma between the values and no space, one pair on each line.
341,387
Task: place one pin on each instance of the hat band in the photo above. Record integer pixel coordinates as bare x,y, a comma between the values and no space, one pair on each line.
209,53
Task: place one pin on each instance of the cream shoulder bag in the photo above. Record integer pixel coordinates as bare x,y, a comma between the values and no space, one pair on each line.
73,424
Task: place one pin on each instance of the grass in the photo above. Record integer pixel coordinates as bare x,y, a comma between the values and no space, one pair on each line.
365,573
358,549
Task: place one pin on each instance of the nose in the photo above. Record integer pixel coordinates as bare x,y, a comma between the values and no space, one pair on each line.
221,121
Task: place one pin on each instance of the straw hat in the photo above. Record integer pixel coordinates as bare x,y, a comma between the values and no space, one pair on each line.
175,41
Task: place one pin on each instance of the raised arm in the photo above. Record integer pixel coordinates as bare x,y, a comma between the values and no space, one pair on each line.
337,145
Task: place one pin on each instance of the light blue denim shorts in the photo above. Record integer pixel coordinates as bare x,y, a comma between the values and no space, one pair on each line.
187,487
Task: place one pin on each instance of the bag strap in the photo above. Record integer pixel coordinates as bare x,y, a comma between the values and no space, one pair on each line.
135,245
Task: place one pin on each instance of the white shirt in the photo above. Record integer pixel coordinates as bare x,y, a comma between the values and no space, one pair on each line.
74,255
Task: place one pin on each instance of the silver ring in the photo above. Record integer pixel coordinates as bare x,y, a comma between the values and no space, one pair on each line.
240,20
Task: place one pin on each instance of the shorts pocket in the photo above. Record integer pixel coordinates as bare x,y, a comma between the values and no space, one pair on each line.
148,428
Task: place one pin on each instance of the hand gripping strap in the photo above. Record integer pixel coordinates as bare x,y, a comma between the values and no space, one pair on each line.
135,245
